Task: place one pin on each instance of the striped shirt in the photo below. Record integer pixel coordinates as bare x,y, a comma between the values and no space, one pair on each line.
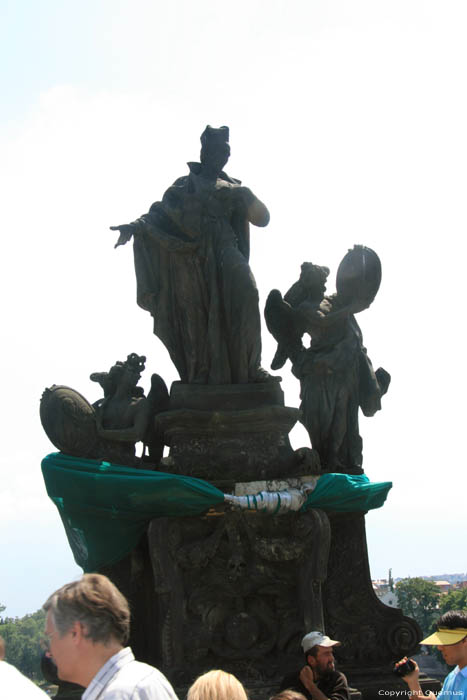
124,678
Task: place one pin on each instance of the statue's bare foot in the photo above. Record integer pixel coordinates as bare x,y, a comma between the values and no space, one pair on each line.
280,358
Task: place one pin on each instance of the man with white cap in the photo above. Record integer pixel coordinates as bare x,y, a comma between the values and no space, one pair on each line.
451,640
318,679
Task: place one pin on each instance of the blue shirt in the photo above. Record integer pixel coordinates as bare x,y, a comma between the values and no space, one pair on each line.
455,685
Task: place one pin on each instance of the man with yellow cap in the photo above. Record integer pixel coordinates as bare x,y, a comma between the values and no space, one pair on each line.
451,640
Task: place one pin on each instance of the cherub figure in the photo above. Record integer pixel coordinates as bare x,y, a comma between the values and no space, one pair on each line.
109,428
125,416
336,375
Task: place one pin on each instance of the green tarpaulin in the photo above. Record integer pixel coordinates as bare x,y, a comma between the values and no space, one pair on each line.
346,493
105,508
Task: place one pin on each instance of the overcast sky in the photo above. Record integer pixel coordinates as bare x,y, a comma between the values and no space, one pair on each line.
348,119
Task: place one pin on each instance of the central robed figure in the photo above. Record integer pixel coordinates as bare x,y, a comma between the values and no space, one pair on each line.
191,260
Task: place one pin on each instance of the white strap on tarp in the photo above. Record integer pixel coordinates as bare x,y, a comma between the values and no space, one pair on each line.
276,502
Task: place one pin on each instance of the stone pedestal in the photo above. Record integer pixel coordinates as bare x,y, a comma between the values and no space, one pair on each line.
374,636
236,432
237,590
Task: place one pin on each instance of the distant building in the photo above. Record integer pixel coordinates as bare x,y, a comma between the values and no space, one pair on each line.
443,586
380,586
383,591
389,598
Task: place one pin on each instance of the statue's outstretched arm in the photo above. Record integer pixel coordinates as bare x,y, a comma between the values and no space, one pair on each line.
126,231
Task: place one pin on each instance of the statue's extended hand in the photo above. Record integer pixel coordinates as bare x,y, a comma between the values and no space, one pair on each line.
126,232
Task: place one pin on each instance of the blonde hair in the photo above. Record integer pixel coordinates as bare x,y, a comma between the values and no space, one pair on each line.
288,694
217,685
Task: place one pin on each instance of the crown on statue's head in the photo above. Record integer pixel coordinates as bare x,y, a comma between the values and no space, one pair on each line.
212,135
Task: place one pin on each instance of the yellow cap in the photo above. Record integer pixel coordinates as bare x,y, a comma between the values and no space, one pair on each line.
446,636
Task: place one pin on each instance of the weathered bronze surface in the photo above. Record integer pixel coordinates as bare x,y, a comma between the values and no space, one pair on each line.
336,375
109,428
231,432
191,255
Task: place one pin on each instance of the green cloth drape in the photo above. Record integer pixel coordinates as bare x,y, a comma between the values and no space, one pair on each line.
105,508
347,492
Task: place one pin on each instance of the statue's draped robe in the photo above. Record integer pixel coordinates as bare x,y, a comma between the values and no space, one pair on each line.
191,260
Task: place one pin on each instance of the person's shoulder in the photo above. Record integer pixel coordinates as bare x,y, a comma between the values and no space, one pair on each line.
338,677
339,674
335,686
150,683
451,677
453,672
14,685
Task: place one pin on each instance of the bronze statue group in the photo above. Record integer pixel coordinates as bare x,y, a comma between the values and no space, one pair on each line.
191,253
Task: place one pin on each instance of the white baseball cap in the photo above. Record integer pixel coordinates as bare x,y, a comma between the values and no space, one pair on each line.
317,638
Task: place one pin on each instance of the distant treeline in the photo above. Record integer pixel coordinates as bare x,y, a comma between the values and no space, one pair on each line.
24,642
422,600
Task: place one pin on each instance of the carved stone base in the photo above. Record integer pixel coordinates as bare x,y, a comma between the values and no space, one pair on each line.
232,433
237,590
374,636
231,589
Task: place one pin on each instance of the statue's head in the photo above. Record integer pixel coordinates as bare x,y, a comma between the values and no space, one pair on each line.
314,277
215,149
128,372
132,368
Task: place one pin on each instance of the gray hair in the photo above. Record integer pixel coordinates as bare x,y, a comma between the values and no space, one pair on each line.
96,603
